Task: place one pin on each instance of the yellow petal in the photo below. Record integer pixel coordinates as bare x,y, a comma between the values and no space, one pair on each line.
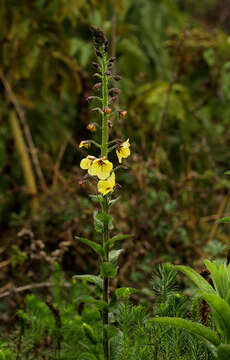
106,186
93,168
125,152
119,155
85,163
104,170
84,144
101,168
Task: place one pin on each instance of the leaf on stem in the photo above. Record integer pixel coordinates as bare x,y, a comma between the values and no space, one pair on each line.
114,239
89,299
108,270
114,255
97,280
96,247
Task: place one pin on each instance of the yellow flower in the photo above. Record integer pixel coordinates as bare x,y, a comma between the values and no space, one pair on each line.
106,186
123,150
101,168
85,163
84,144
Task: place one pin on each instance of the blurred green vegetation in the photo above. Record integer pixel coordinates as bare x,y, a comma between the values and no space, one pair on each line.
174,57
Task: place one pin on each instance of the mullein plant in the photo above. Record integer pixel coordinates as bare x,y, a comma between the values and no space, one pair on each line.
100,169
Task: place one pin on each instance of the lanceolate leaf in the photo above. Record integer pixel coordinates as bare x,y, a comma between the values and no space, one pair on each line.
193,327
221,313
114,255
97,280
114,239
96,247
202,284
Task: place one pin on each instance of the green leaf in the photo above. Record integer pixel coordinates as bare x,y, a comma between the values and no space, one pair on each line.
98,224
105,218
97,280
223,220
100,219
223,352
113,201
227,172
108,270
96,247
114,239
89,299
114,255
202,284
221,313
193,327
125,292
220,274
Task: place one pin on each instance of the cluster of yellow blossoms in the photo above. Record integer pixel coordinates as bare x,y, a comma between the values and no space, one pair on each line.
103,168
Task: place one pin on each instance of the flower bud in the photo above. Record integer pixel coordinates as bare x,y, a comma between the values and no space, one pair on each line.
107,110
110,124
98,53
123,113
97,86
95,65
117,77
114,98
89,98
112,59
84,144
108,72
92,127
115,91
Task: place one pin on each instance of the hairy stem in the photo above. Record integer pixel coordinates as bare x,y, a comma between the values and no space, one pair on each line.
104,153
105,130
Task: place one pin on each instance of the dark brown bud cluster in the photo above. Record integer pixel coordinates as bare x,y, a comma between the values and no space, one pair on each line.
99,40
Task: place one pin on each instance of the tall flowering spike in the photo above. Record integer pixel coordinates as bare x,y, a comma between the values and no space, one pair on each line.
123,150
101,168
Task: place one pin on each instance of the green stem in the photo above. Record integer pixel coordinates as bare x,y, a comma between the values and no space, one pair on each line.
104,152
105,285
105,96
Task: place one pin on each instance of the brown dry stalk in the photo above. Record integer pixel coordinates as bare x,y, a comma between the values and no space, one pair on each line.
25,161
13,99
